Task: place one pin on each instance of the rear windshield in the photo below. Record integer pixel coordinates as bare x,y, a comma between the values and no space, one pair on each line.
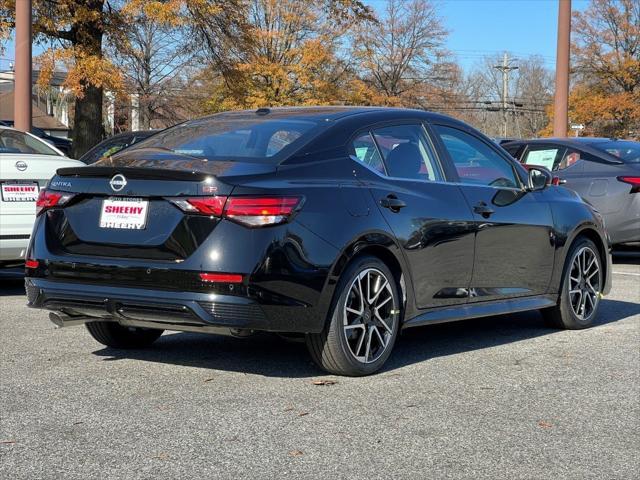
628,152
249,138
14,141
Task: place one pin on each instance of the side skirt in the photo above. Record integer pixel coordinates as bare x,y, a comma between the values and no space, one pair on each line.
483,309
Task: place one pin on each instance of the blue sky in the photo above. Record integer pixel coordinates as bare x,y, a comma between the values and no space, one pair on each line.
482,27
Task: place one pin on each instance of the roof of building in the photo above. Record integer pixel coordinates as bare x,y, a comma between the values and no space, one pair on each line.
40,118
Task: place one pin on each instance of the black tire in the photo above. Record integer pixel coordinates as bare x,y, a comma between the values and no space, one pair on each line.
333,348
114,335
565,314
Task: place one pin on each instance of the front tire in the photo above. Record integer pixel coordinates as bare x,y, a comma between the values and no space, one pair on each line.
581,288
114,335
363,323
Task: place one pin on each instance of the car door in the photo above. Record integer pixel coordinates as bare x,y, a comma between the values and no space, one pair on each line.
514,248
428,216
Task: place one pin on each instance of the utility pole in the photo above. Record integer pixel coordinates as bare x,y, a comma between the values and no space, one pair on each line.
505,68
561,100
22,91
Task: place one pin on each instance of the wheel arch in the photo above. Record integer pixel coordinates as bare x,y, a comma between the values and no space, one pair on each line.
380,245
590,232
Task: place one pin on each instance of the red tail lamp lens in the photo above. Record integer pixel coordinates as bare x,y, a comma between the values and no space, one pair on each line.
208,205
48,199
260,211
221,277
250,211
31,264
631,180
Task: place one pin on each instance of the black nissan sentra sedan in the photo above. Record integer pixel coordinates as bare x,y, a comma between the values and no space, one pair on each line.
342,225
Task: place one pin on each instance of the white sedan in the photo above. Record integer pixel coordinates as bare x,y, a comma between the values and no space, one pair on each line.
26,165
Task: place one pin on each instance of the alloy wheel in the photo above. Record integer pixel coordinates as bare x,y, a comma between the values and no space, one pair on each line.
369,315
584,283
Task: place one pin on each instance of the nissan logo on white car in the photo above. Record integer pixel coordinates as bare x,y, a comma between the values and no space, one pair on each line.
20,165
118,182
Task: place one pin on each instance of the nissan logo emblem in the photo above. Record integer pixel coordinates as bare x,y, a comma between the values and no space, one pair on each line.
118,182
20,165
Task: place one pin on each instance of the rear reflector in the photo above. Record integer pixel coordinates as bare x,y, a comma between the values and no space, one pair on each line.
31,264
48,199
252,211
221,277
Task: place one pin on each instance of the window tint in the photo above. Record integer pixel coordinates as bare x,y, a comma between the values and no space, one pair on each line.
407,153
627,151
366,152
12,141
548,156
244,137
475,161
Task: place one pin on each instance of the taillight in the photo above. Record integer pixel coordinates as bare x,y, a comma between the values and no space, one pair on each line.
253,211
634,181
48,199
260,211
31,263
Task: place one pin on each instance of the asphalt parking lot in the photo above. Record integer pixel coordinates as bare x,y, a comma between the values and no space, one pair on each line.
502,397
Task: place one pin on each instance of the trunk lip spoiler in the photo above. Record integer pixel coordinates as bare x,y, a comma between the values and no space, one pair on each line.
144,173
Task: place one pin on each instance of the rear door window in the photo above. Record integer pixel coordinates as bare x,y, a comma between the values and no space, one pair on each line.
406,153
365,150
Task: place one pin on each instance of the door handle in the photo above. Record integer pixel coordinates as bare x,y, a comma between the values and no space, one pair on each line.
483,209
392,202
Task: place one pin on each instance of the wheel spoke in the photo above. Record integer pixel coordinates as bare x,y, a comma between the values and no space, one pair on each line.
382,341
360,342
384,302
367,351
572,292
355,325
383,322
357,312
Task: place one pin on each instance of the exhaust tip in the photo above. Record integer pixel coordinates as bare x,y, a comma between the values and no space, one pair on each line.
56,319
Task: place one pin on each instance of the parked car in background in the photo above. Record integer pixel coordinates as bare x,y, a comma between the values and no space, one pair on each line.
605,172
342,225
26,164
62,144
114,144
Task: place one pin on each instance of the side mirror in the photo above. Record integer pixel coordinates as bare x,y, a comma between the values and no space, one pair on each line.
539,177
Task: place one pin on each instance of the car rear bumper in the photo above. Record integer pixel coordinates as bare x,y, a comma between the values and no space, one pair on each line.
75,303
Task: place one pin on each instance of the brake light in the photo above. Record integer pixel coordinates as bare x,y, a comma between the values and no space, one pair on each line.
48,199
634,181
221,277
260,211
31,263
252,211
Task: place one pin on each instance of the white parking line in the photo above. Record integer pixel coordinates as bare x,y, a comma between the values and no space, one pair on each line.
627,273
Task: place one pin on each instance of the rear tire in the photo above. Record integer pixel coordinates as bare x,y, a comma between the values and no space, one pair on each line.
580,291
114,335
363,323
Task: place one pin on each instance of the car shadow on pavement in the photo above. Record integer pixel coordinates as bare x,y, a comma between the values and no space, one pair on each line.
11,286
268,355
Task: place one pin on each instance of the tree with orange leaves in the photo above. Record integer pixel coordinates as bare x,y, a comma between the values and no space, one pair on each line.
606,64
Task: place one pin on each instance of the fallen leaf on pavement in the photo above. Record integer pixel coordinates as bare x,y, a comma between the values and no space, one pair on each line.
324,382
296,453
7,442
302,414
543,424
208,380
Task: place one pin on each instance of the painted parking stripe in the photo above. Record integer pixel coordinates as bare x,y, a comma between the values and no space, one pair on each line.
627,273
